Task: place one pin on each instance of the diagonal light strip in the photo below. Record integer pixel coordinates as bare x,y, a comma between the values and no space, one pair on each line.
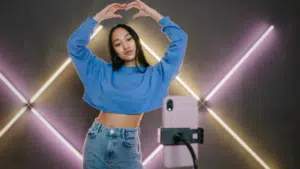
13,89
52,78
21,97
257,43
177,77
97,30
149,158
19,114
235,136
57,134
59,70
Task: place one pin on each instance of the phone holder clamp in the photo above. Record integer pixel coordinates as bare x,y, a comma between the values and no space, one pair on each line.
166,135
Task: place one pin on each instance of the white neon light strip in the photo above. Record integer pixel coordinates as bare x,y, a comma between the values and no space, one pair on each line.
19,114
97,30
235,136
177,77
13,89
57,134
149,158
257,43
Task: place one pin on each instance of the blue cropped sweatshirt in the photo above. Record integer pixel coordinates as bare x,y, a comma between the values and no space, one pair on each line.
126,91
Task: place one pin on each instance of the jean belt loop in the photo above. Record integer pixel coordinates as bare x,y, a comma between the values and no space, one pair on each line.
122,133
99,127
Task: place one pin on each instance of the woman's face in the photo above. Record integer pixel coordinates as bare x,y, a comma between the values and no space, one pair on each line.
124,45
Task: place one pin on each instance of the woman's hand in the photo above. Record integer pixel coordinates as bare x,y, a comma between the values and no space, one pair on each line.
145,10
109,12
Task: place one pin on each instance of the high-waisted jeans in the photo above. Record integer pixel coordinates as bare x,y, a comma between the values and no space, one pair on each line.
112,148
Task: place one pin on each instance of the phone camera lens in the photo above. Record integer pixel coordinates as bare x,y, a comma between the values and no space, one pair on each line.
170,105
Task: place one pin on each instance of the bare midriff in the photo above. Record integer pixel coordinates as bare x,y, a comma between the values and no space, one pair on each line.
116,120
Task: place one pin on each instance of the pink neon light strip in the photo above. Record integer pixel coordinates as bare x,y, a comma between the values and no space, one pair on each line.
13,89
257,43
57,134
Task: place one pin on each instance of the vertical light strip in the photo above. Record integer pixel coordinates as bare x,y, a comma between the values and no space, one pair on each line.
257,43
235,136
57,134
19,114
13,89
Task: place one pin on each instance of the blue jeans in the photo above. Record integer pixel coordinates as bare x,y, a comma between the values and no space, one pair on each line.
112,148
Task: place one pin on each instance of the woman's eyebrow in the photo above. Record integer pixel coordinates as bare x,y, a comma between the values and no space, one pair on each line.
118,39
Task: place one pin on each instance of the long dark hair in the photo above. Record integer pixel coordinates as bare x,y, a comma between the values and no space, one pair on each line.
140,57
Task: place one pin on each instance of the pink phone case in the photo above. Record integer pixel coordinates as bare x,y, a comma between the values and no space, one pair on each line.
185,115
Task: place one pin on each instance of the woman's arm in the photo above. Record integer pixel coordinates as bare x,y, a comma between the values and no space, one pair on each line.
170,64
87,65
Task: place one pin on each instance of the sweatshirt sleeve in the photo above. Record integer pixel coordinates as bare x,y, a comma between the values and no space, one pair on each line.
87,65
170,64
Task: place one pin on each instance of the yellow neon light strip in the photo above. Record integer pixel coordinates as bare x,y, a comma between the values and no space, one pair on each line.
19,114
235,136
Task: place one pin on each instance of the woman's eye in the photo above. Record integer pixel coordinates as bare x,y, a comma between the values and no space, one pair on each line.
117,45
129,39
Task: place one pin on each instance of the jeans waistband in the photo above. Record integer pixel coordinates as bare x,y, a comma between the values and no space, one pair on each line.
117,132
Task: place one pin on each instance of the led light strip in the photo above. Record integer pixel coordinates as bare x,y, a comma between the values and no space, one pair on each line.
149,158
13,89
57,134
19,114
258,42
20,96
177,78
60,69
235,136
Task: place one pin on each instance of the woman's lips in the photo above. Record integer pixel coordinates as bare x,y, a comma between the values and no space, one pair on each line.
128,52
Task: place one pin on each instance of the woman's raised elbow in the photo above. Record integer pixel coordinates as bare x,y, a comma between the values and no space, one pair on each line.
185,36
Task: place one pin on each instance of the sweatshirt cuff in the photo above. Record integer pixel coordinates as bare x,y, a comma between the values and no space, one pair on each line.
164,20
91,20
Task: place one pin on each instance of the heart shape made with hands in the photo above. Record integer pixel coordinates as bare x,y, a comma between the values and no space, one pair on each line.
144,10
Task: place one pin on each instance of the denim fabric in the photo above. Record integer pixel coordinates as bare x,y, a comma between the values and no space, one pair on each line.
112,148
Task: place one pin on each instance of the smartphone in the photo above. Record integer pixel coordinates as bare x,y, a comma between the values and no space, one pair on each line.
177,112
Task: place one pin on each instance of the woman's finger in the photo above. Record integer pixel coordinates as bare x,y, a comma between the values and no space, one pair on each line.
129,6
117,16
116,4
138,15
141,3
133,5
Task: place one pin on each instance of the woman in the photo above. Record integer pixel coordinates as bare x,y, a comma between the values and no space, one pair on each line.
124,89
